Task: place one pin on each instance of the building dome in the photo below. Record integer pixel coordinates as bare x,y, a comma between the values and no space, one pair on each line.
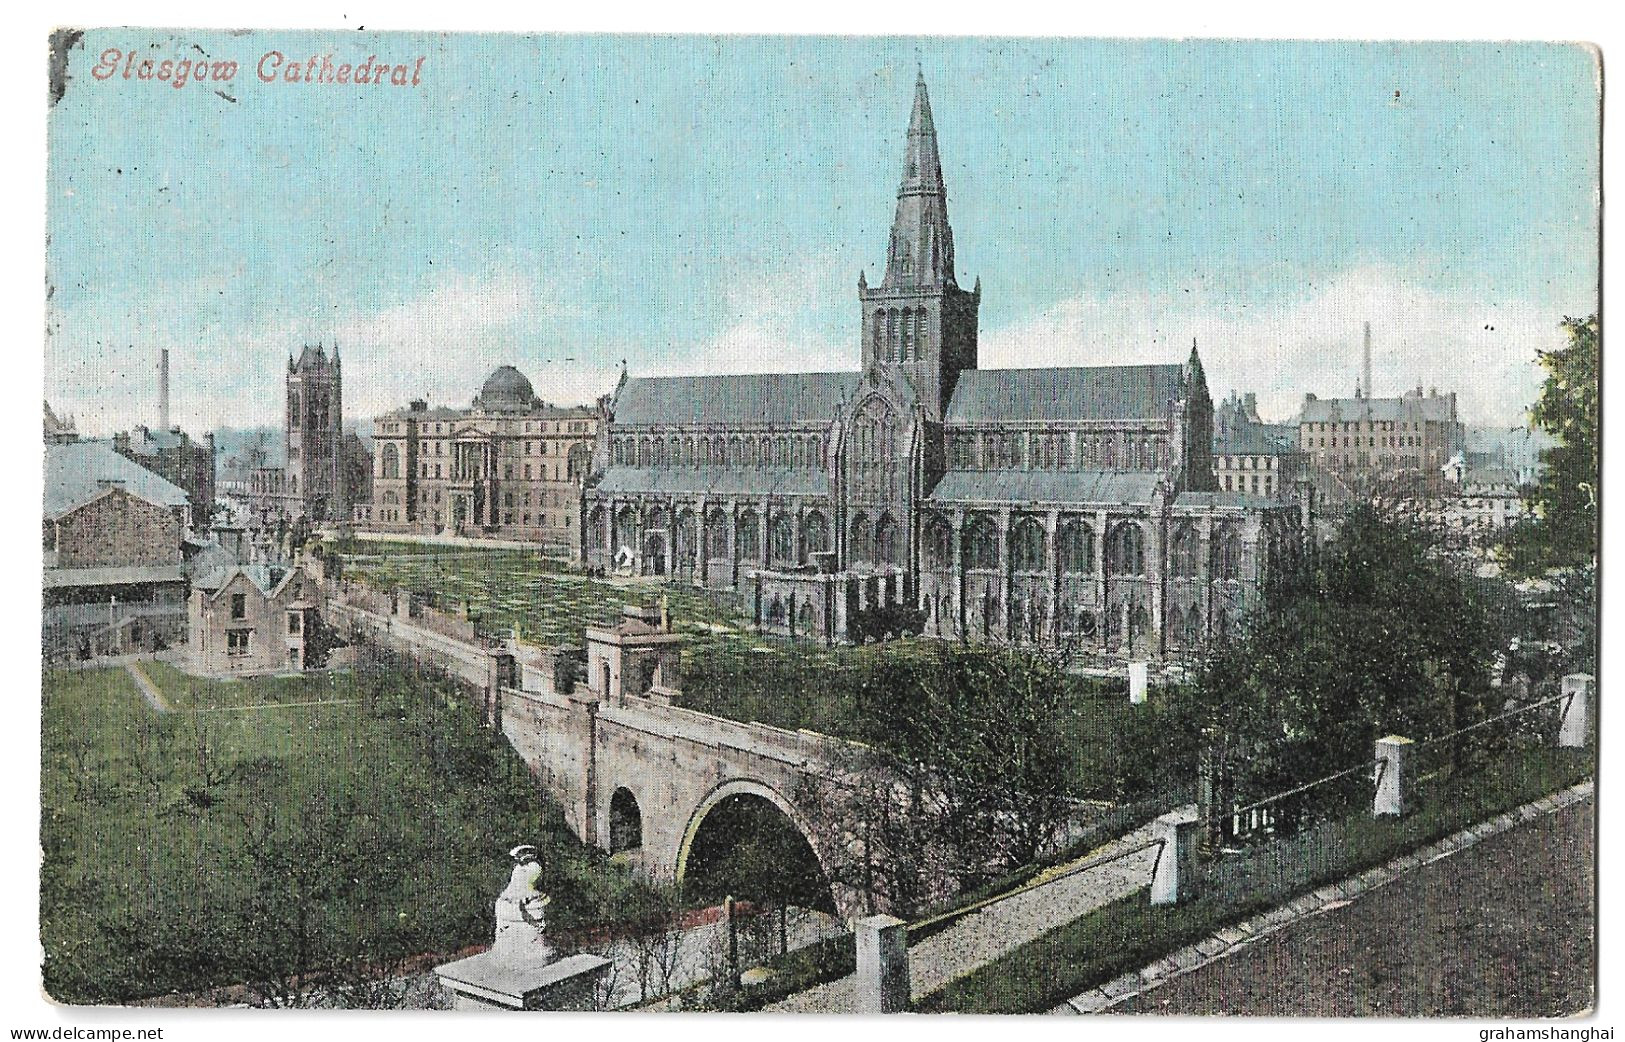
506,390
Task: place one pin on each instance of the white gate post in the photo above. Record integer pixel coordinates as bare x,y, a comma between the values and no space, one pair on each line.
1576,726
1392,754
1138,681
1174,876
883,979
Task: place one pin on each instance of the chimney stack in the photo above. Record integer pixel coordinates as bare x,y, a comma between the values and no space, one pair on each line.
1368,391
163,390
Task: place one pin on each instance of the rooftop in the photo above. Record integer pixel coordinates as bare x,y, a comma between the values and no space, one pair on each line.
1122,392
78,471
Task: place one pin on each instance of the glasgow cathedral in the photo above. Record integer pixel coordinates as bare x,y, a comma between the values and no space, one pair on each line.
1058,505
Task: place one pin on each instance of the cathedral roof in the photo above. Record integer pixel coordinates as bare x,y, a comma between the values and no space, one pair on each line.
743,399
716,481
1082,487
1119,392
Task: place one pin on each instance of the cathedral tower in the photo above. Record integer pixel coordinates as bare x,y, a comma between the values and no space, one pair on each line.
918,318
315,425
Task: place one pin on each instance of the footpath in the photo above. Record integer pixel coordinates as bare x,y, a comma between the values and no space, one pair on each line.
1000,927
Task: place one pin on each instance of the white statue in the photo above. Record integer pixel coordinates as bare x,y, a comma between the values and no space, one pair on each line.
521,910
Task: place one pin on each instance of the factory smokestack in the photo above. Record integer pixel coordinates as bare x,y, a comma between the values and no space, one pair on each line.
1368,391
163,390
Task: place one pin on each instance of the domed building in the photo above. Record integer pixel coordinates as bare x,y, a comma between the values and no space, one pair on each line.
510,466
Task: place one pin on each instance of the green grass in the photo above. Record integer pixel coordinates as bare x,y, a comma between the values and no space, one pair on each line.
728,671
1129,933
143,817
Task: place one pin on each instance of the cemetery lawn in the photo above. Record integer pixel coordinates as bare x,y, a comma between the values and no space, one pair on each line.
147,817
728,671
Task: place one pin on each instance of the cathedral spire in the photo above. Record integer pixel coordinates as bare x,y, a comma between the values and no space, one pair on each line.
922,243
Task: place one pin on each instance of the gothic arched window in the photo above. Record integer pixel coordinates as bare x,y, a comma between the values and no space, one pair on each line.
1125,550
814,532
981,548
391,462
1027,545
885,540
937,547
1183,553
716,534
861,546
1075,548
1226,552
781,539
748,538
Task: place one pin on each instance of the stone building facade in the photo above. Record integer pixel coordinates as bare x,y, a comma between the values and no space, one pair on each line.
1057,504
113,535
1373,439
174,456
252,619
508,467
1250,455
311,482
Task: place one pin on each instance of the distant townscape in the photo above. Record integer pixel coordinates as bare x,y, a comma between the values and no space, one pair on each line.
910,685
1114,508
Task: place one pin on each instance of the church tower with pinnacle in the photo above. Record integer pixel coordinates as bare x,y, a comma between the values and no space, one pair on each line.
918,319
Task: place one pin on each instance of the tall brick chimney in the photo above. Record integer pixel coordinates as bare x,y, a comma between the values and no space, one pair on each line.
163,390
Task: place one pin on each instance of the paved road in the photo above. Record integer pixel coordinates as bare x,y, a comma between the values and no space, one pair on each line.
1504,928
983,936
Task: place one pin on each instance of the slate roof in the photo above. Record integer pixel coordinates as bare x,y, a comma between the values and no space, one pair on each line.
1226,499
715,481
736,399
75,472
1117,392
1250,439
1382,410
113,575
1090,487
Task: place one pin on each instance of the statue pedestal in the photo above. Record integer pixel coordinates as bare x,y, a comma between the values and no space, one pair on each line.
499,980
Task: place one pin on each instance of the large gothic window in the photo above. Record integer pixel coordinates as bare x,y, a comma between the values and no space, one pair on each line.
596,528
885,540
861,547
716,534
874,464
391,463
1075,548
1027,545
937,546
1125,550
1183,553
815,532
1227,552
749,536
781,539
682,537
981,543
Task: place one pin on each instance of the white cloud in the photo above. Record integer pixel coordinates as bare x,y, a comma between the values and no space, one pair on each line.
1482,349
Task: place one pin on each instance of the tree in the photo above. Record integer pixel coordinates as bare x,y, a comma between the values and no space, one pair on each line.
1378,632
963,777
1563,530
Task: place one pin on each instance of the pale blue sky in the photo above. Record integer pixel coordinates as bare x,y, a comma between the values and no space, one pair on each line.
705,204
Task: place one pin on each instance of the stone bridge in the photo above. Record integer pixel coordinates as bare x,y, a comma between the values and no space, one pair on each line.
635,774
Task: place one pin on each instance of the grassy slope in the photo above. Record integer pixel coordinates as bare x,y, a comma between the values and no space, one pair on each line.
123,853
1130,933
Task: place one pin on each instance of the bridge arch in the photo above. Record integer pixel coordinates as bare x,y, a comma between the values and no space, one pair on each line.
625,821
848,902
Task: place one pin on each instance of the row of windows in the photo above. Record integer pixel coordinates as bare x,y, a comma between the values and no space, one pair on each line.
531,427
1125,553
1266,485
1247,462
389,467
1012,450
877,541
797,450
1368,425
899,334
1388,442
